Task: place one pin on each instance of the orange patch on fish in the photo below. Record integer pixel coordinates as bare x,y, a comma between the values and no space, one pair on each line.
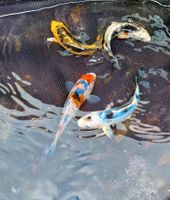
123,35
88,77
78,101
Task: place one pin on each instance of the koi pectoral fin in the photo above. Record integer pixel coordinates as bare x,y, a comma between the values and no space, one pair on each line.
108,131
74,45
123,35
69,85
51,39
121,127
93,99
76,37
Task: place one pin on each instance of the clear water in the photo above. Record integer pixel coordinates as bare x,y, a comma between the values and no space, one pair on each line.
132,166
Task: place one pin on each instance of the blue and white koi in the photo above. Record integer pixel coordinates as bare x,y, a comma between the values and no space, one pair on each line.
111,116
124,30
78,94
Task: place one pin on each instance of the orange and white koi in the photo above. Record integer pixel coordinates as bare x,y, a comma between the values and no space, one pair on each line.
78,94
70,42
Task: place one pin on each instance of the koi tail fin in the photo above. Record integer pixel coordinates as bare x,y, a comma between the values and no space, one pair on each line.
51,148
99,40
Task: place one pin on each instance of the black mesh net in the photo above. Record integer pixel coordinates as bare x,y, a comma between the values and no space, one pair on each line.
33,76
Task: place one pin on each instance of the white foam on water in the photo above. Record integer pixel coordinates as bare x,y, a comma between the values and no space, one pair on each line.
19,79
34,115
138,178
135,182
159,72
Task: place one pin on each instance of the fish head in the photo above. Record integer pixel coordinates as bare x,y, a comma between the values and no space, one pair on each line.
56,24
134,31
82,89
140,34
89,121
89,77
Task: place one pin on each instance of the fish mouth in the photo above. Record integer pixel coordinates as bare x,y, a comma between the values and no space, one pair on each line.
147,38
80,123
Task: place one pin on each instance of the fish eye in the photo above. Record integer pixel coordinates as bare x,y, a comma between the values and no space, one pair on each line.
88,117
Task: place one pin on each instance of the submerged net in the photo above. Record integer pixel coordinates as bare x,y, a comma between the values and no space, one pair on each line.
33,76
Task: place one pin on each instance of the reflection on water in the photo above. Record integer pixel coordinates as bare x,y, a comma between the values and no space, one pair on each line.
35,114
42,118
132,166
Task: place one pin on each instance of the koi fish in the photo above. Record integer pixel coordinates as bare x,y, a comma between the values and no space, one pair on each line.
111,116
78,94
68,41
124,30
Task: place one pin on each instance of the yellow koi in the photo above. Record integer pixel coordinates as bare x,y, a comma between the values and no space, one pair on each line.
68,41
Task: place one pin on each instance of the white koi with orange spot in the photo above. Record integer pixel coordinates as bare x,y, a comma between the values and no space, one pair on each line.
124,30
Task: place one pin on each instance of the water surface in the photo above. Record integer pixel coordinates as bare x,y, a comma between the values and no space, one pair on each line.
135,164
